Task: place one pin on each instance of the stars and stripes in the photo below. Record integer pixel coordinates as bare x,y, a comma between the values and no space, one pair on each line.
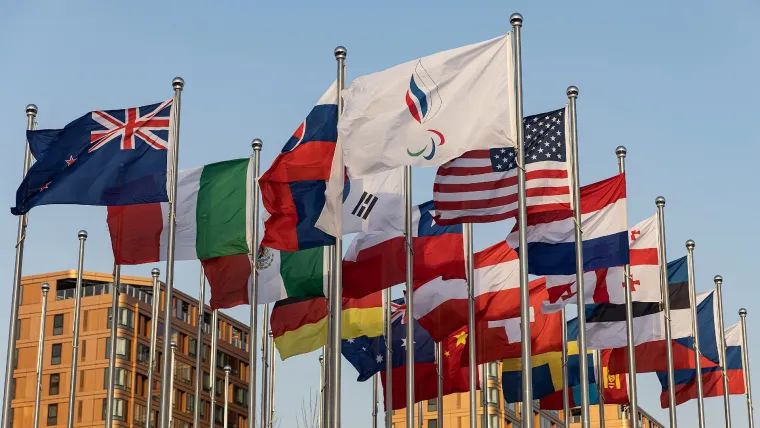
130,126
481,185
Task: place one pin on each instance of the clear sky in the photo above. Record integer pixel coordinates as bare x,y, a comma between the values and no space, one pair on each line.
672,81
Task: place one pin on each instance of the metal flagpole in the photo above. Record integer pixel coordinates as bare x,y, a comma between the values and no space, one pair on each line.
419,414
472,346
388,358
745,365
31,114
572,95
410,301
253,231
374,400
173,346
722,337
75,341
212,364
695,333
265,368
227,370
527,373
322,389
40,353
153,342
199,352
439,369
600,385
633,415
565,379
665,290
336,289
112,360
165,408
330,250
271,380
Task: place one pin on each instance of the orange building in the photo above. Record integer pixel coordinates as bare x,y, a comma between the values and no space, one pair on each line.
456,411
132,354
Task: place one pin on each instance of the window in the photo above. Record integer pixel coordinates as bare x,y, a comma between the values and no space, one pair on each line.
240,395
55,355
182,310
122,379
222,359
219,415
119,409
190,403
432,405
206,382
140,414
52,418
143,353
183,372
126,318
575,415
55,384
13,389
123,348
432,423
192,347
544,423
219,387
204,406
57,324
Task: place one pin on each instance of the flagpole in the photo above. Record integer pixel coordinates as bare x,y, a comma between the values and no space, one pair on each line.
336,292
665,290
199,352
271,380
472,346
330,250
695,333
322,389
522,221
374,400
227,370
177,84
410,302
212,363
565,379
31,114
745,365
439,379
388,358
600,386
40,353
172,363
572,95
75,341
722,337
112,360
253,231
633,415
265,368
153,343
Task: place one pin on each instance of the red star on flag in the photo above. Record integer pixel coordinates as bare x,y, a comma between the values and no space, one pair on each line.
45,186
70,160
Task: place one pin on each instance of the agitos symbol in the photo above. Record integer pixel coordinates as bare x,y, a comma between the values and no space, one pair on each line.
424,102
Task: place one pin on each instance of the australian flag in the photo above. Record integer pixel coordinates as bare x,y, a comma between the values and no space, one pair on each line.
110,157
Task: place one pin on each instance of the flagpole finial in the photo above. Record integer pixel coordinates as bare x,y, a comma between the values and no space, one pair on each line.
718,279
690,244
340,52
173,345
742,312
227,369
257,144
82,234
178,83
31,110
45,287
572,92
660,201
621,151
516,19
155,272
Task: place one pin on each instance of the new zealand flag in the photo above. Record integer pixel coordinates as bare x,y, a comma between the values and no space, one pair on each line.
112,157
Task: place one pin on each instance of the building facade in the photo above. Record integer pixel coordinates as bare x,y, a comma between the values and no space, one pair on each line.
132,355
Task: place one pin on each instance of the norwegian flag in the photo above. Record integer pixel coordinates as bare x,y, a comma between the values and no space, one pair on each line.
130,126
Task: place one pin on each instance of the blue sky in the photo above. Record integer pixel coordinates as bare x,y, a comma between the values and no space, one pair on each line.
672,81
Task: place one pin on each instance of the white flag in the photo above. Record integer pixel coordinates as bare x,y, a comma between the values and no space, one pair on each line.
430,110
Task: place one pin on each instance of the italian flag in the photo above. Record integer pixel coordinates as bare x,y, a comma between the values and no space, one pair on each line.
213,209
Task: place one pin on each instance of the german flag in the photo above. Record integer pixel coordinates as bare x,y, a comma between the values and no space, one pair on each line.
299,324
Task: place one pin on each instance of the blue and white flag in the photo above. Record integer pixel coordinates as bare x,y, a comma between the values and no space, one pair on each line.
106,158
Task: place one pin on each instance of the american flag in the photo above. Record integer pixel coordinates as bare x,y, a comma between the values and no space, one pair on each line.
481,185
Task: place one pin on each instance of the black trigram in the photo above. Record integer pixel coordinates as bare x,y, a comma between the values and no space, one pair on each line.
365,205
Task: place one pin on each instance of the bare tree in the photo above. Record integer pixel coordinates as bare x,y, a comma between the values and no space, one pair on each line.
309,417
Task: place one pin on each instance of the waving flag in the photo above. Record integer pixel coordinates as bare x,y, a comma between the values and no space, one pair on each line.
481,186
377,260
423,112
109,157
441,305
